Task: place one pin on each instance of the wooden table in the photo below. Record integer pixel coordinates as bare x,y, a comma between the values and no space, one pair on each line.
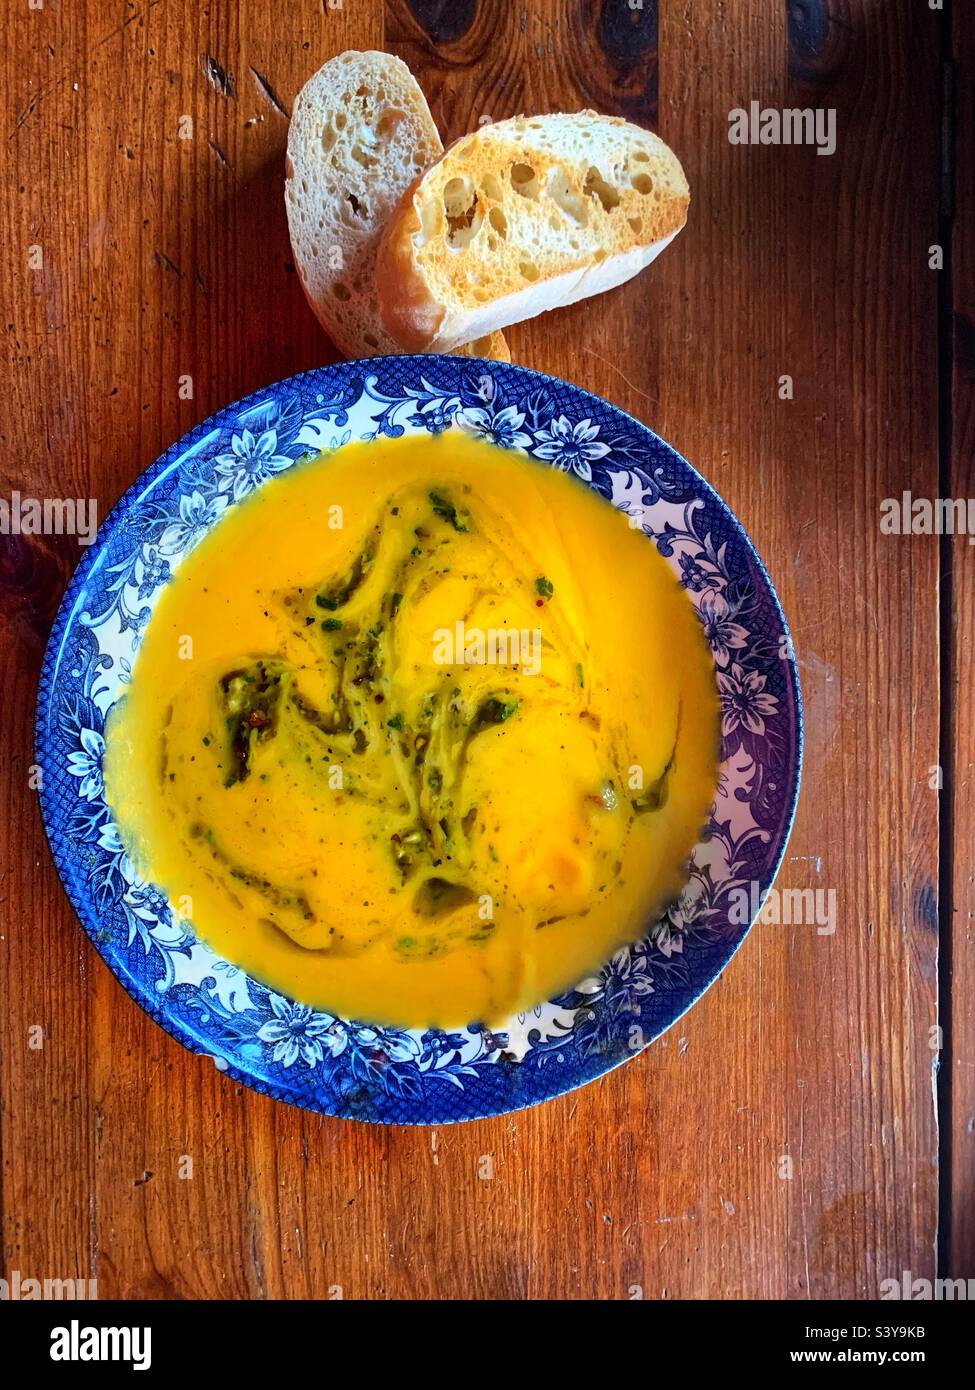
164,258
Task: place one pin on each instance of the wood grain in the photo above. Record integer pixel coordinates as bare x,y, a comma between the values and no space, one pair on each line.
166,257
959,1210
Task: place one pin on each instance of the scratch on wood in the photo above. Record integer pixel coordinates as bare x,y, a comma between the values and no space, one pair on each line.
137,14
269,94
632,384
221,156
161,258
257,1264
218,76
27,112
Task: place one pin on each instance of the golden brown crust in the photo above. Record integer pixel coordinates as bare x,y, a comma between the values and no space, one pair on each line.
411,318
523,216
360,132
496,348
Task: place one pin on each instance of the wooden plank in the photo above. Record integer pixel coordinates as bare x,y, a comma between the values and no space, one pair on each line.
817,267
165,258
960,1215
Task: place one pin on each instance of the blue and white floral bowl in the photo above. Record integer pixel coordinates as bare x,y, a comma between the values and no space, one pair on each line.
337,1065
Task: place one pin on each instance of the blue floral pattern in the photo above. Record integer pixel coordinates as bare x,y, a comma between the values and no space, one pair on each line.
344,1066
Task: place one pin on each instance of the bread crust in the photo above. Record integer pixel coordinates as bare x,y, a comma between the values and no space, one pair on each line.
469,250
360,132
410,314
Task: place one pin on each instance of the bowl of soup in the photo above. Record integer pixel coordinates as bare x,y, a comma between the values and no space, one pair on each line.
419,738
